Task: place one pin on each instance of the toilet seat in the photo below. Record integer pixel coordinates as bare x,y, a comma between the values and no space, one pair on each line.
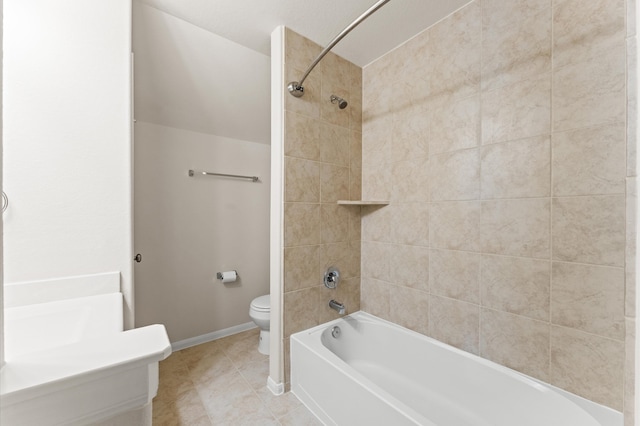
261,304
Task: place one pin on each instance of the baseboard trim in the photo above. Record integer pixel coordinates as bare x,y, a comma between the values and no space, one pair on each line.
275,388
204,338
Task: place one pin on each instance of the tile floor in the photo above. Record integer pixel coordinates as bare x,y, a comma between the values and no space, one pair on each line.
223,383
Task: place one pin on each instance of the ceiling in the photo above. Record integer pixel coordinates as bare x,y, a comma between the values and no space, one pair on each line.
250,22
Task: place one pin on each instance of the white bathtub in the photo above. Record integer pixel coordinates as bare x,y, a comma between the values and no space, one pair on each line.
68,360
378,373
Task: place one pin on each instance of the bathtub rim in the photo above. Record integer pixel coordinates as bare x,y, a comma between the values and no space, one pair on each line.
605,415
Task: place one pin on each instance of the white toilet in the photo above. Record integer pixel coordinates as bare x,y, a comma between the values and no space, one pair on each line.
259,313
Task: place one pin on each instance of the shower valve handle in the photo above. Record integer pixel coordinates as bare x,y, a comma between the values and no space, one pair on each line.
331,277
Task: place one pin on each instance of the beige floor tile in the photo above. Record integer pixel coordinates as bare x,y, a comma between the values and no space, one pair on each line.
299,417
279,405
187,410
256,373
223,383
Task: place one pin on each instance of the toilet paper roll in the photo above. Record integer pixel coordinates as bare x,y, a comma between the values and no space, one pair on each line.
228,276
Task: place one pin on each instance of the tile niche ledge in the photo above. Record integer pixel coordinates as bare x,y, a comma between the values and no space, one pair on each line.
362,203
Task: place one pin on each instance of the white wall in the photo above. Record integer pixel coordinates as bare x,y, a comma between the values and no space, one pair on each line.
189,78
67,140
1,222
201,102
189,228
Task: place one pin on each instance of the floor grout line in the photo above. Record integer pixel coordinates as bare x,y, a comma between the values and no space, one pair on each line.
235,351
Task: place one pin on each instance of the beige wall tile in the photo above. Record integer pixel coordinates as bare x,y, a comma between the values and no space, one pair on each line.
309,104
355,107
375,261
334,183
591,92
589,230
301,224
516,285
345,256
409,266
408,59
631,248
455,225
409,308
334,144
355,257
376,90
632,24
503,47
516,342
584,30
302,136
347,293
589,161
409,223
632,105
376,223
588,365
455,323
355,149
300,51
375,297
588,298
456,71
302,180
517,111
301,267
410,133
455,274
377,134
516,227
321,136
410,181
455,175
516,41
377,183
355,223
336,71
455,124
334,223
330,112
355,184
629,403
302,310
516,169
376,154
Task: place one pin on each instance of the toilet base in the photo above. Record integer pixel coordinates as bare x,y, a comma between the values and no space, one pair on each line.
263,345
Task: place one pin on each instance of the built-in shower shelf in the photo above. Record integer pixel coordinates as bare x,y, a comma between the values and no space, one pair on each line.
362,203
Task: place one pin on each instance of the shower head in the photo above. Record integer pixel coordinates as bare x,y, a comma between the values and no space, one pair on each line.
342,104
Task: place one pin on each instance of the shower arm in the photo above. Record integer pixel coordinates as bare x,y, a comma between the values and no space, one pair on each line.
295,87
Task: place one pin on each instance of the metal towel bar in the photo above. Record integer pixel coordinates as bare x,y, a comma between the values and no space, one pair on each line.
253,178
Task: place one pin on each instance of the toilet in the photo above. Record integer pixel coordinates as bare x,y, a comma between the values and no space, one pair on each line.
259,313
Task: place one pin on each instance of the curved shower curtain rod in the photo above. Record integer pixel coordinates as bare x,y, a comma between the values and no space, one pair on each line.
295,87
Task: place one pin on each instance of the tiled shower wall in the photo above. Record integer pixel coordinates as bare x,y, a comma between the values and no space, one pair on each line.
499,136
322,164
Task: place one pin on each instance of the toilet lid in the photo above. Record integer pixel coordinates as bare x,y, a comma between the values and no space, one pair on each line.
261,303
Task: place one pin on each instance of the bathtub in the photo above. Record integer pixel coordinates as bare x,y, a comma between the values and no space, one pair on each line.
68,359
375,372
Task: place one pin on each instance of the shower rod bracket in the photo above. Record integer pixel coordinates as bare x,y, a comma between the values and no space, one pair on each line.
295,87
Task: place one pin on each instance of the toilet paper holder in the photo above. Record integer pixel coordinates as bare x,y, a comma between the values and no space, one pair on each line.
220,276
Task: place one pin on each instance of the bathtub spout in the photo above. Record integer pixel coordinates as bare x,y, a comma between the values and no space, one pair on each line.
337,306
